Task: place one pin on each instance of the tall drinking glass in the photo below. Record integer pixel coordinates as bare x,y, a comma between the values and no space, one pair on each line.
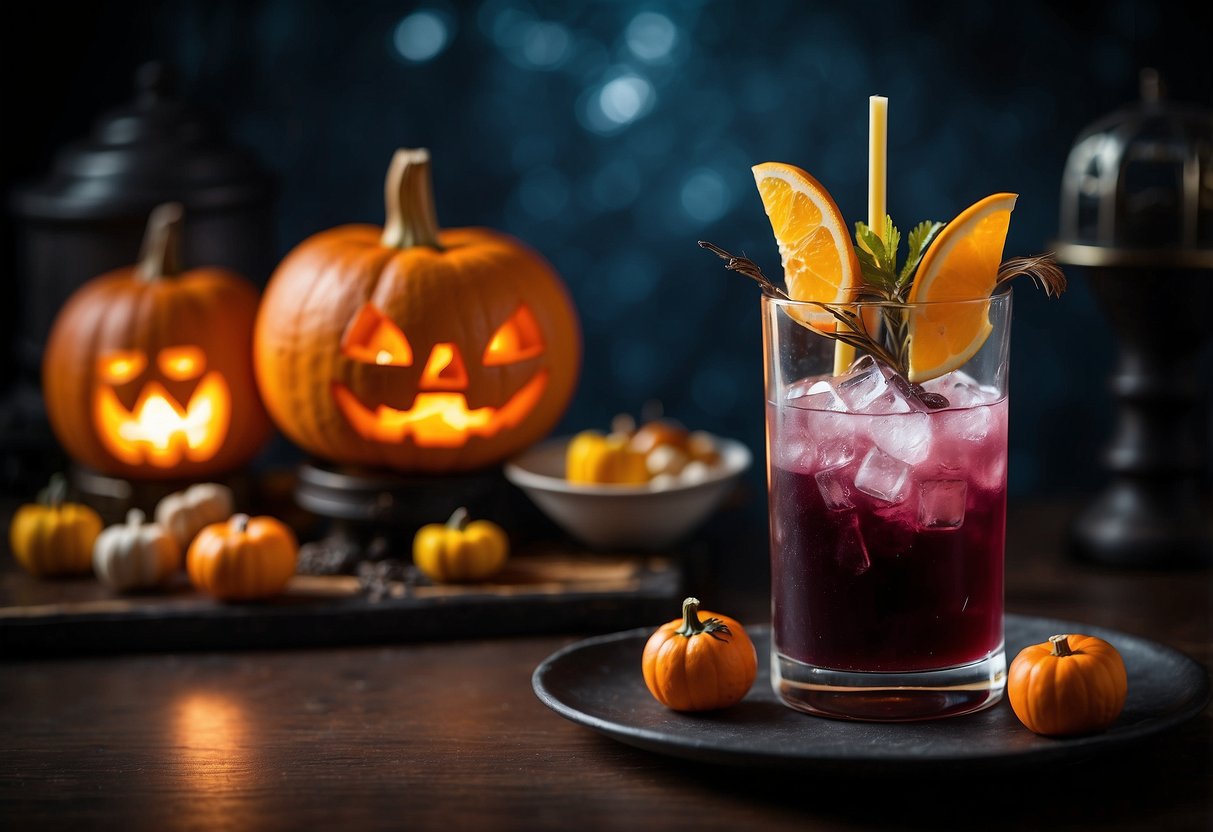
887,515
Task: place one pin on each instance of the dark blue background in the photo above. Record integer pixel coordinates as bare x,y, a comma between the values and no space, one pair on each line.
612,136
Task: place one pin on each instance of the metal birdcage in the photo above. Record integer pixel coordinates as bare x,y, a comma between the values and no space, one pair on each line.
1138,187
1137,219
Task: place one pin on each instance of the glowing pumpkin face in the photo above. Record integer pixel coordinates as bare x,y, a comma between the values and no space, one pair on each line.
439,415
432,356
148,373
158,427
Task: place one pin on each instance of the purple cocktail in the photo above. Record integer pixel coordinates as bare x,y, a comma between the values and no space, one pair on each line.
887,528
887,521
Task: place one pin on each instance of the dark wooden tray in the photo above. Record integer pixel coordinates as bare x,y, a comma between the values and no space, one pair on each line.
597,683
546,591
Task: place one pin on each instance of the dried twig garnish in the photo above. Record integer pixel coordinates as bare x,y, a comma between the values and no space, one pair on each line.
747,267
1042,269
852,331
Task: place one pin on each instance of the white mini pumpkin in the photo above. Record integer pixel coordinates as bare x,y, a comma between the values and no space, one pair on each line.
135,554
185,513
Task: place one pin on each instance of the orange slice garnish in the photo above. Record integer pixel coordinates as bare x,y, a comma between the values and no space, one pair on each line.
819,262
961,264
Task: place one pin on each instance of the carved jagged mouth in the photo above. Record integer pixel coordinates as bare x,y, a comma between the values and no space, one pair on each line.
437,420
158,430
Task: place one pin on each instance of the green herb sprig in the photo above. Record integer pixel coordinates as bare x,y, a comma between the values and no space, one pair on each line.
877,254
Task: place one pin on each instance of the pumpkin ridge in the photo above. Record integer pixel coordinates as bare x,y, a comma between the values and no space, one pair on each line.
110,293
672,672
295,390
330,271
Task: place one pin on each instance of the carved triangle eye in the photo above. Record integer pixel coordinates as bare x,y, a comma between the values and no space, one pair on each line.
515,340
181,363
373,338
120,366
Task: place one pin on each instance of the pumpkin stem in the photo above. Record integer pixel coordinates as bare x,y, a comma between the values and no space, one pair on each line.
239,522
692,626
135,518
160,255
459,519
55,492
412,219
1061,645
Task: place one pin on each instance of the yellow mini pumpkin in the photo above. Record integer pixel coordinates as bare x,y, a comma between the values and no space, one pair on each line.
243,559
52,537
459,550
594,458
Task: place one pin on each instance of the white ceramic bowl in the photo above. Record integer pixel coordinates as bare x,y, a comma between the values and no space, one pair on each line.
623,516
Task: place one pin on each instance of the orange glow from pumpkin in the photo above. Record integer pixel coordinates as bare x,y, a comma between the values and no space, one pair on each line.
181,363
444,369
515,340
211,744
438,420
121,366
159,430
374,338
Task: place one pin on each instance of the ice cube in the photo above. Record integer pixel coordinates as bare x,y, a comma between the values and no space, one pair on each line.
961,389
941,504
903,436
835,491
882,476
867,389
993,475
835,450
852,551
972,424
819,395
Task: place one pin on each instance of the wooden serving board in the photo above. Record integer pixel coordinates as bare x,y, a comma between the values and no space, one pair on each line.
536,593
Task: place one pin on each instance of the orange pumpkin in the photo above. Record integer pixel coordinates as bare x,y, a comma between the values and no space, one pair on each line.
243,558
1071,684
695,665
414,348
148,370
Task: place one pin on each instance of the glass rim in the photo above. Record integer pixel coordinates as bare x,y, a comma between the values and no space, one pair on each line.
1001,294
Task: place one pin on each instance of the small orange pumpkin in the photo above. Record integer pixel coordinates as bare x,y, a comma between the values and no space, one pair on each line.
415,348
1071,684
243,558
696,665
148,369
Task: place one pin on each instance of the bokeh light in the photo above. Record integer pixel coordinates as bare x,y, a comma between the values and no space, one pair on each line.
620,100
705,196
651,36
423,35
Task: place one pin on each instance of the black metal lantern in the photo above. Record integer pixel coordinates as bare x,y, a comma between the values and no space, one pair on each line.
87,217
1137,215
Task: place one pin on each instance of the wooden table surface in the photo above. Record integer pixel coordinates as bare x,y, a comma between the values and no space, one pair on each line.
449,735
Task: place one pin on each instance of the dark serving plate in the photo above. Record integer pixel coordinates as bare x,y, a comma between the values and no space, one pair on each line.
598,683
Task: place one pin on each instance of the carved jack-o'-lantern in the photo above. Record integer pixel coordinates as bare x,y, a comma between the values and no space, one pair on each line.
414,348
148,370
